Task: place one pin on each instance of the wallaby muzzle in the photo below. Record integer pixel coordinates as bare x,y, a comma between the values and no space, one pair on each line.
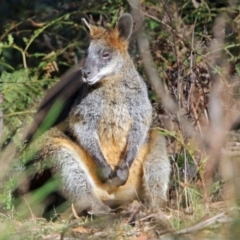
89,76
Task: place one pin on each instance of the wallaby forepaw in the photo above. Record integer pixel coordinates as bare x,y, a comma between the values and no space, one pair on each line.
104,173
119,177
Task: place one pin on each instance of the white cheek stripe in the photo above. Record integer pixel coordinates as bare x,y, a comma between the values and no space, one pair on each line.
106,71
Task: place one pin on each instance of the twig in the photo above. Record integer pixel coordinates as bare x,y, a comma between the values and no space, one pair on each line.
74,212
192,77
196,118
132,216
20,113
185,178
32,214
158,20
14,25
203,224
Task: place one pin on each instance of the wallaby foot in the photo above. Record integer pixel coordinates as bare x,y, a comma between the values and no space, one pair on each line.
100,209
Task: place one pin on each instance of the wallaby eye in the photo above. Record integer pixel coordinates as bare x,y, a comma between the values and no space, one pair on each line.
105,55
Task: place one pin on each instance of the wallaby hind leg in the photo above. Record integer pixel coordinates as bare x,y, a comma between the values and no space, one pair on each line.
78,186
156,169
75,181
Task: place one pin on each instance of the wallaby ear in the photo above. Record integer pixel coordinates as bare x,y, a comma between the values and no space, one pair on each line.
87,25
125,25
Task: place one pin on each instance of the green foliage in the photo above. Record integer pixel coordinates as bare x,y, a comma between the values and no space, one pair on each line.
21,90
6,194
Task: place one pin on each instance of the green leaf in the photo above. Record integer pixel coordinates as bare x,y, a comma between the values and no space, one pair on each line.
153,24
10,39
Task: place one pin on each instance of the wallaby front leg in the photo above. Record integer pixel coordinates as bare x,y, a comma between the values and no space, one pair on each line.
136,138
104,170
88,139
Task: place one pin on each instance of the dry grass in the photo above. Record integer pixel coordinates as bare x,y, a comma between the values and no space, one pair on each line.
134,222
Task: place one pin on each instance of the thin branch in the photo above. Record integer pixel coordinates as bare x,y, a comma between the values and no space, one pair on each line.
192,77
19,113
204,224
158,20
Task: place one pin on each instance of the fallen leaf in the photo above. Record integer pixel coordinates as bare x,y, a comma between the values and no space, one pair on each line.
82,230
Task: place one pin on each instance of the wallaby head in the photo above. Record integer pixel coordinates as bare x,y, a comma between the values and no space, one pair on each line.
107,50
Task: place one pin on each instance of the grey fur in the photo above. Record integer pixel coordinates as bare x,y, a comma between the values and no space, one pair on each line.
156,173
125,24
75,181
133,105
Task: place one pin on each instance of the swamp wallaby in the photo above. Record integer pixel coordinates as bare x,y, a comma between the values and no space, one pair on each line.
108,155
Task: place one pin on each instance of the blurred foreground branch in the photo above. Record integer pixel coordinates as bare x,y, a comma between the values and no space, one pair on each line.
144,48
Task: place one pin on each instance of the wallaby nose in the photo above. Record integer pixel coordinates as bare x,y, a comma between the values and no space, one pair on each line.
86,73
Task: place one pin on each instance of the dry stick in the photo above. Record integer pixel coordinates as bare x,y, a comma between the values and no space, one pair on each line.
14,25
203,224
74,212
206,115
185,178
133,215
158,20
192,78
32,214
197,118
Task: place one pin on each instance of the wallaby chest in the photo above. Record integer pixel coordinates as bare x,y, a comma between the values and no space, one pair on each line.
115,123
107,106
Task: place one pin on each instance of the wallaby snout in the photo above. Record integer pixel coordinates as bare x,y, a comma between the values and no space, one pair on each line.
90,71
